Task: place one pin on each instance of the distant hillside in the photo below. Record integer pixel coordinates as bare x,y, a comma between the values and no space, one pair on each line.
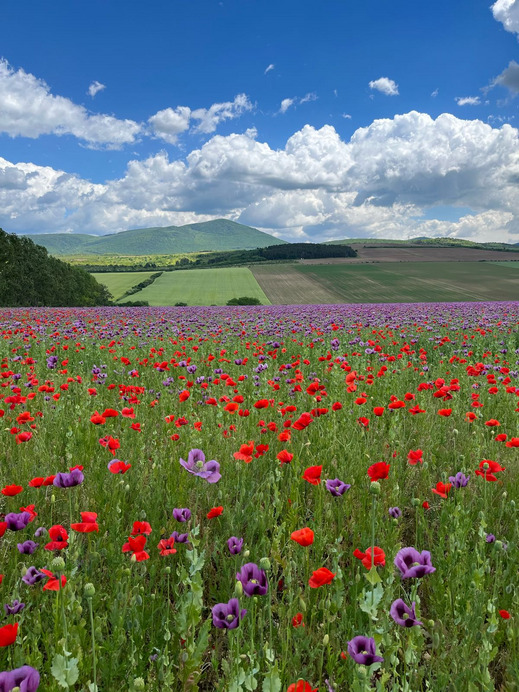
421,241
220,234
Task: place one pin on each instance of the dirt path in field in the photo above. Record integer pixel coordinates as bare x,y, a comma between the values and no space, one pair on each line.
285,286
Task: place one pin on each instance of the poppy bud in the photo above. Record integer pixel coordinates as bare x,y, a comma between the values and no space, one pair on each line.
238,588
302,604
264,563
246,553
53,498
430,623
375,488
326,639
167,570
362,673
499,545
415,501
127,488
58,564
89,590
139,685
455,432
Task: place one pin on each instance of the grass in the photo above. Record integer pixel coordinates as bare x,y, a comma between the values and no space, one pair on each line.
119,282
389,283
202,287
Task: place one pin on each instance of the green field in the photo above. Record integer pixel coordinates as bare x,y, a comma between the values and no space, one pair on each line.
202,287
119,282
389,283
514,265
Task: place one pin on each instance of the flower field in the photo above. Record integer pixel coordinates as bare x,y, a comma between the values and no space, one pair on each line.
280,498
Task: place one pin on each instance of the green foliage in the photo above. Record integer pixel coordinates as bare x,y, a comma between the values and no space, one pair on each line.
138,287
30,277
244,300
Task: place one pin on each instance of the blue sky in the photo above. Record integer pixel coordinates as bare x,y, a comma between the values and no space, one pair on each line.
309,120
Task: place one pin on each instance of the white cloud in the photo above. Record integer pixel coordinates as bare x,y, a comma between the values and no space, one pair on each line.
468,100
30,110
95,88
269,68
507,12
378,183
170,122
210,118
347,116
285,105
308,98
435,93
509,78
385,86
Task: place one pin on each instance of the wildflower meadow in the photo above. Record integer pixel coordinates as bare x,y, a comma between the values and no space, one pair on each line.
283,498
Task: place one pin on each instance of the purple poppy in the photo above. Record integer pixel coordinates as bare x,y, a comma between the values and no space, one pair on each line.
235,545
40,531
395,512
68,480
490,538
13,609
180,537
460,480
363,650
27,547
17,522
403,615
198,466
337,487
413,564
182,515
26,678
253,579
228,615
33,576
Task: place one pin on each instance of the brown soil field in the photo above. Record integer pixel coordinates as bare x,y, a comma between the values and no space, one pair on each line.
418,254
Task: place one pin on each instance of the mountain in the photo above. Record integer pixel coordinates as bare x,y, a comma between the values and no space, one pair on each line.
220,234
423,240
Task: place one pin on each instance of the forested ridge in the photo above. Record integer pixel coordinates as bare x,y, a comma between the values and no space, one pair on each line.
29,276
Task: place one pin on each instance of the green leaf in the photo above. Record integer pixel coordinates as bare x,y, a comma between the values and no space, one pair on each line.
373,576
65,670
272,681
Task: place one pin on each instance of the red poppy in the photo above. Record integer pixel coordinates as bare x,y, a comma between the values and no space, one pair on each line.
110,442
336,406
128,413
470,416
59,538
30,509
260,450
49,480
297,620
141,527
261,403
215,512
3,529
487,469
53,583
301,686
445,412
8,634
304,536
513,442
245,453
88,523
320,577
166,546
36,482
415,456
302,422
136,426
442,489
12,490
363,421
379,559
378,410
378,471
97,419
284,457
136,545
313,474
492,423
425,504
504,614
119,466
501,437
23,437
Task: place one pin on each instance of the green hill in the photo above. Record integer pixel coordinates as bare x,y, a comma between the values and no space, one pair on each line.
220,234
421,241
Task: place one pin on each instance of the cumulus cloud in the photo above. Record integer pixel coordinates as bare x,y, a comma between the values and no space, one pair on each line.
507,12
468,100
269,68
170,122
30,110
285,105
385,86
379,182
210,118
509,78
95,88
288,102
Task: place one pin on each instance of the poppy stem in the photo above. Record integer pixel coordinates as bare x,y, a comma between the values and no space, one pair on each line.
93,641
373,510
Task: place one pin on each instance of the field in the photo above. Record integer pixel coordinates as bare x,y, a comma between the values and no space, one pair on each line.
202,287
273,498
406,281
119,282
